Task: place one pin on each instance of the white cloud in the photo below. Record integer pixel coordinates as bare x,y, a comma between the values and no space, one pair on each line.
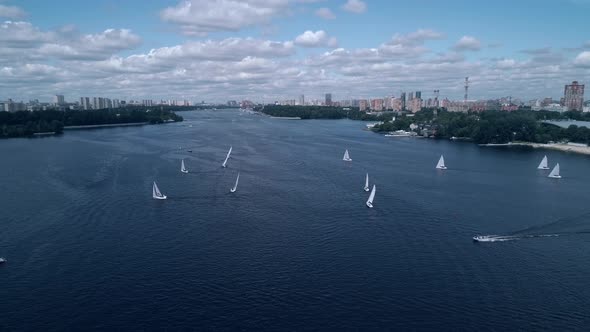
583,59
355,6
65,43
199,17
315,39
325,13
468,43
417,37
22,35
12,12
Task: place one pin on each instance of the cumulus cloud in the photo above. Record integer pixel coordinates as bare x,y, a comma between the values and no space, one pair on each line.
468,43
355,6
37,62
11,12
199,17
63,43
325,13
315,39
417,37
583,59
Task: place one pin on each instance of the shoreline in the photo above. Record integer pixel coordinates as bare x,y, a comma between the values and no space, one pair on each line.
106,125
556,146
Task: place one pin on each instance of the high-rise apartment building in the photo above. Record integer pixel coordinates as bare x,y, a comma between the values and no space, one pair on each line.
574,96
59,100
403,101
363,104
301,100
328,99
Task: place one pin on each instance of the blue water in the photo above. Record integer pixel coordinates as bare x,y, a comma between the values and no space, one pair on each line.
295,248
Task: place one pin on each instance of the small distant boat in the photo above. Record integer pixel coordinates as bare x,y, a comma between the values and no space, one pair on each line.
190,150
441,163
233,190
367,183
182,168
555,172
2,260
484,238
371,197
227,157
156,194
543,164
346,156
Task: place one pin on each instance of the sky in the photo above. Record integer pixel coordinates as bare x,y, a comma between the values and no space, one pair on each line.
267,50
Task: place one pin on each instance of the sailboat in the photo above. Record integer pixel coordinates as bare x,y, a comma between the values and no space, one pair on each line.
371,197
367,183
227,157
555,172
233,190
182,168
441,163
543,164
156,194
346,156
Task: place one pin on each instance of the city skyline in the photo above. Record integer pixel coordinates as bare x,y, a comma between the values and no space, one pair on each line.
281,49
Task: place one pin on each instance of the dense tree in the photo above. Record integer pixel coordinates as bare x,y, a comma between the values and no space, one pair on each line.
496,126
25,123
320,112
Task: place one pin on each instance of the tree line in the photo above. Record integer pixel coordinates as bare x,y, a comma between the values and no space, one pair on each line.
25,123
320,112
495,126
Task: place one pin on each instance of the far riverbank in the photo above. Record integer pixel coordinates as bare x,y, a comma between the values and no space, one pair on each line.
555,146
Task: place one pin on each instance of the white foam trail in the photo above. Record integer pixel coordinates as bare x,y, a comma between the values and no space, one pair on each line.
502,238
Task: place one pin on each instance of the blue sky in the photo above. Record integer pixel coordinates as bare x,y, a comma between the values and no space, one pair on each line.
352,48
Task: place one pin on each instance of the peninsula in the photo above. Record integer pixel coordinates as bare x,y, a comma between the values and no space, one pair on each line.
36,123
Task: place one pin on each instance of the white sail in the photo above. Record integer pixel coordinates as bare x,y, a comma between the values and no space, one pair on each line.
367,183
371,197
182,167
441,163
346,156
555,172
227,157
233,190
156,194
543,164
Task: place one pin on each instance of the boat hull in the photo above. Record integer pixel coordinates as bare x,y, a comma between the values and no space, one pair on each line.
185,172
366,189
369,205
555,176
441,167
160,197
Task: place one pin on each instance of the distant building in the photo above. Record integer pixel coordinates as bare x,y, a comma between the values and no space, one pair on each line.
574,96
328,101
377,105
415,105
59,100
363,105
301,100
396,104
403,100
418,94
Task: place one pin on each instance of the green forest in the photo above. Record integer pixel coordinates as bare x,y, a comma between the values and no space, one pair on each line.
320,112
25,123
495,126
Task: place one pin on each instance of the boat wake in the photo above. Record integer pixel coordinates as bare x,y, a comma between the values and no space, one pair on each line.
568,226
502,238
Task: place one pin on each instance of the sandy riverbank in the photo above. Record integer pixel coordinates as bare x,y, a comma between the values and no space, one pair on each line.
555,146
